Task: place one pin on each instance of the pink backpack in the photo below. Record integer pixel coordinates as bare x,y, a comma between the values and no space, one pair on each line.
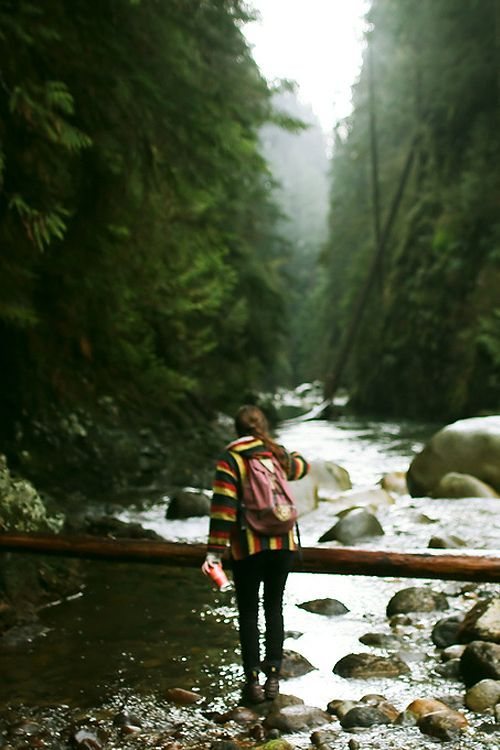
268,505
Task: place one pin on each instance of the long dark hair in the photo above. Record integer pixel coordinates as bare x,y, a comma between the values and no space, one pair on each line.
250,420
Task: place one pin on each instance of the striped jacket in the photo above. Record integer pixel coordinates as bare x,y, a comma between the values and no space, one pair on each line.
225,514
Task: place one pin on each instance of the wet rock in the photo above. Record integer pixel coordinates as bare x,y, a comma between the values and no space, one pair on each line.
452,652
293,634
276,744
416,599
356,524
239,714
283,700
126,719
353,744
446,725
480,661
296,718
187,503
340,708
450,670
365,666
329,477
373,699
84,739
446,631
381,640
470,446
364,716
114,528
482,696
395,482
456,485
182,697
294,664
328,607
482,622
321,738
446,542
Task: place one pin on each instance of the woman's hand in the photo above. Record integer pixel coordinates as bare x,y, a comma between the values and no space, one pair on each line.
210,561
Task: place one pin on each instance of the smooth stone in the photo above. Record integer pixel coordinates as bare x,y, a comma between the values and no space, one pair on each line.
395,482
446,632
357,523
365,666
445,725
450,670
296,718
380,640
364,716
482,696
294,664
446,542
182,697
340,708
454,485
188,503
482,622
329,607
480,661
416,599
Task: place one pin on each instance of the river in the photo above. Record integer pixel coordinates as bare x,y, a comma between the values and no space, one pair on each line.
137,630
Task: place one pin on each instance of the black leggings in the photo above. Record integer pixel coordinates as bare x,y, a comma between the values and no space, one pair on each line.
270,567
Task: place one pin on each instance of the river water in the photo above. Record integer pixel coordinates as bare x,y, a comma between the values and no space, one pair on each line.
137,630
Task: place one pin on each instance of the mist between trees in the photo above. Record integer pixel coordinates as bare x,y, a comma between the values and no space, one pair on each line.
173,235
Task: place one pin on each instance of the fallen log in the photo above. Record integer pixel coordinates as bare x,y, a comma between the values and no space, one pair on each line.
476,565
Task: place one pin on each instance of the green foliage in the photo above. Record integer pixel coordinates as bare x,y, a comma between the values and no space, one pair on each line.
140,251
424,347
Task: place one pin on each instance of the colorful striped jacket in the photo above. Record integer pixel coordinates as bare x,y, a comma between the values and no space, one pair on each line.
225,515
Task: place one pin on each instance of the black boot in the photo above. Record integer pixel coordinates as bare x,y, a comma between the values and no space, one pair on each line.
272,684
252,691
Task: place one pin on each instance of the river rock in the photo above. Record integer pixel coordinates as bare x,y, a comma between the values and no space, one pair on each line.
482,622
446,542
445,725
239,714
395,482
454,651
364,666
330,478
380,640
340,708
456,485
294,664
416,599
446,631
83,739
330,607
480,661
470,446
364,716
112,527
181,696
356,524
187,503
450,670
483,696
296,718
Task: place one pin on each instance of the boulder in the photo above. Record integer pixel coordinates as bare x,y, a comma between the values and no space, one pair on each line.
482,622
416,599
443,725
356,524
365,666
187,503
446,542
455,485
324,607
470,446
480,661
362,497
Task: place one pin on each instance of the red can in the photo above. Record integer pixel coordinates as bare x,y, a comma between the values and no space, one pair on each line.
218,576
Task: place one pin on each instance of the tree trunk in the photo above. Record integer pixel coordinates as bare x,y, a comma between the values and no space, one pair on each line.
478,565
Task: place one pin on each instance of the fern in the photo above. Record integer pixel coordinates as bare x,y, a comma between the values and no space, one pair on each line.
40,227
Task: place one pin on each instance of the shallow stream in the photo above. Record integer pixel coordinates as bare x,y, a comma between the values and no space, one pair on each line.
137,630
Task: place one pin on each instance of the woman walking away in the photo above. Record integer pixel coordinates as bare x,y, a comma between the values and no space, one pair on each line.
258,556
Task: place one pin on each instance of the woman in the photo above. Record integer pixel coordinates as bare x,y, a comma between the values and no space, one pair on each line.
256,558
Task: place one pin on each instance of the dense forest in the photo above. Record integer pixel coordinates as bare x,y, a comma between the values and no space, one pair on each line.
429,339
140,252
162,209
